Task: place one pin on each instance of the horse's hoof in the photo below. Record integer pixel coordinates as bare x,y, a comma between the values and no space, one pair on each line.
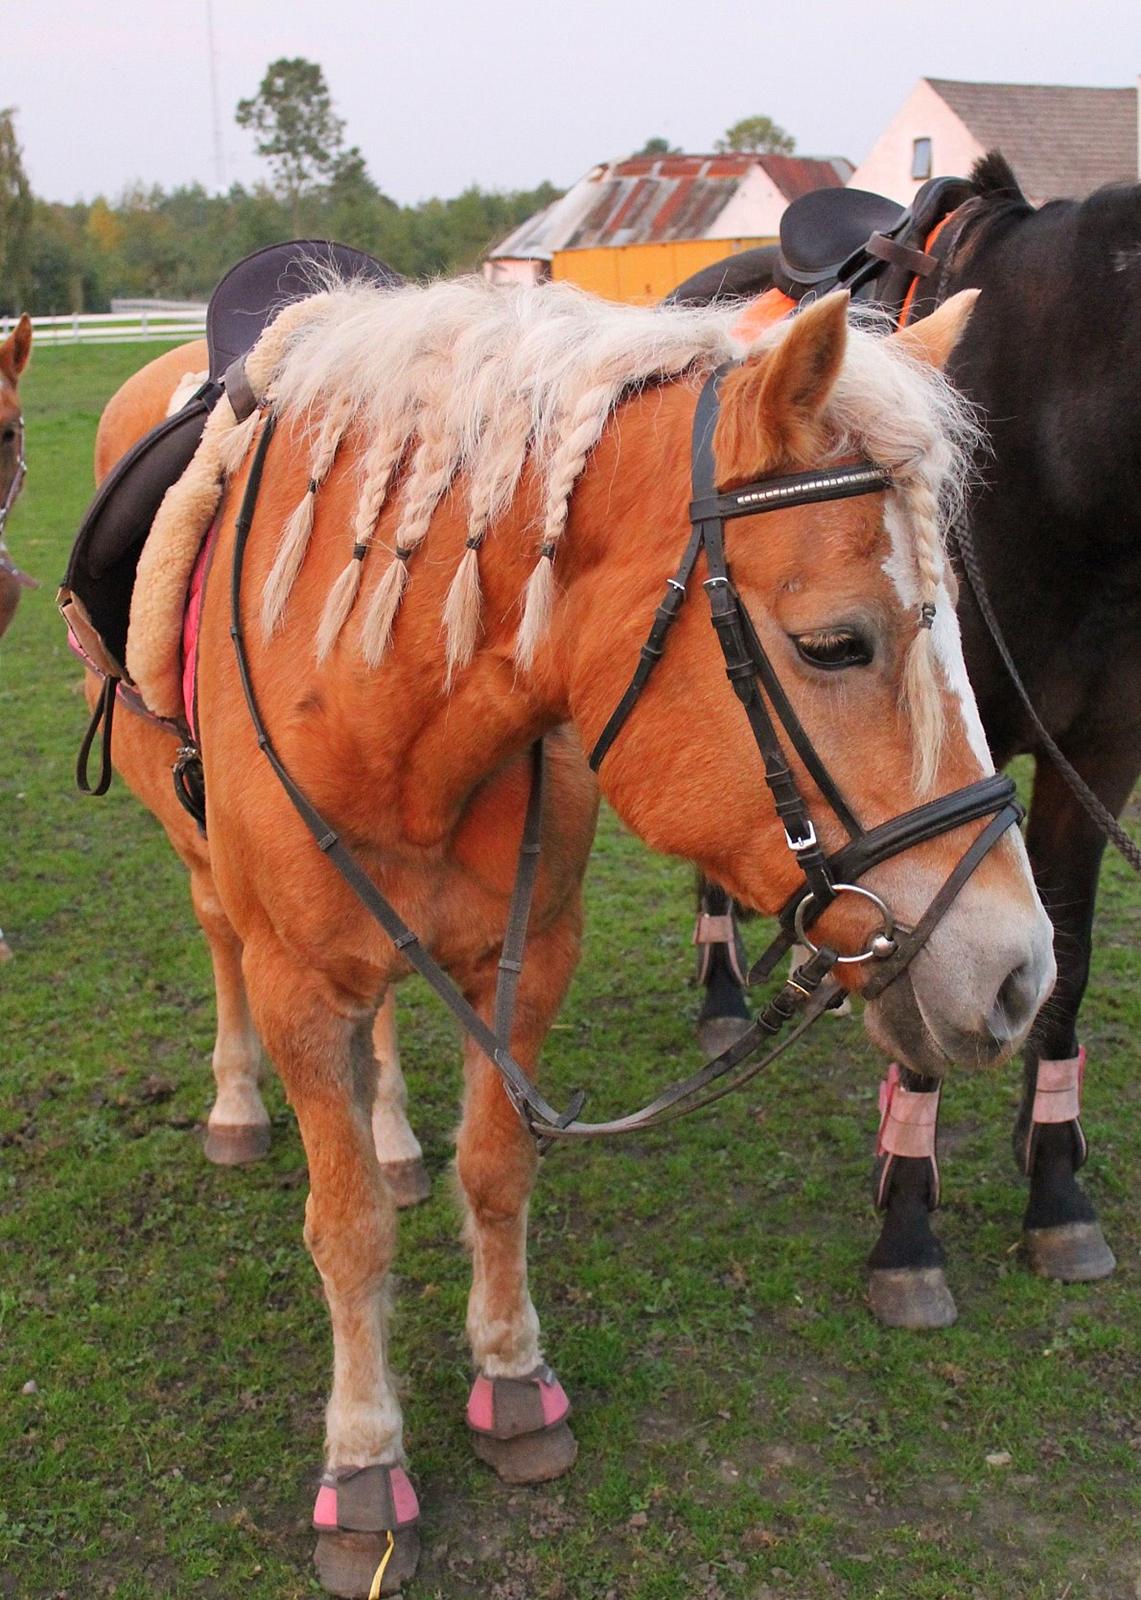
911,1297
716,1034
347,1563
408,1180
530,1458
236,1144
1075,1252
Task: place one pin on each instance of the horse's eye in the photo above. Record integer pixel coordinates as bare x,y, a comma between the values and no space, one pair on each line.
8,435
833,648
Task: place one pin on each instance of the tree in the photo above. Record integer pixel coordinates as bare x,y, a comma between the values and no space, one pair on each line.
760,134
15,218
297,130
657,146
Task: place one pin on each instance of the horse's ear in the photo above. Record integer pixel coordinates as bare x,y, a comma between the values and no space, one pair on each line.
933,339
771,404
16,348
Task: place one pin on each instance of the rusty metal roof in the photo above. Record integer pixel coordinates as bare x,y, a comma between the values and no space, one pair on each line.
651,199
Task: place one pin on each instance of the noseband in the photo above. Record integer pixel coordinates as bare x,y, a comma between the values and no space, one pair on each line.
749,670
811,988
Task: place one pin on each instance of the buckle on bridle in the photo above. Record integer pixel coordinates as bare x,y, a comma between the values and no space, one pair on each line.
807,843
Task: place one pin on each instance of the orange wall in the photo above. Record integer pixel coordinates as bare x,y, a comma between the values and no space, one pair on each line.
641,274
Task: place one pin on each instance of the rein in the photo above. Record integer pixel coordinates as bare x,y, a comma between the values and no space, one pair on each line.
812,988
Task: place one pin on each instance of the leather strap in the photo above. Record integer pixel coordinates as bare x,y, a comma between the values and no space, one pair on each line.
810,990
901,255
103,714
238,391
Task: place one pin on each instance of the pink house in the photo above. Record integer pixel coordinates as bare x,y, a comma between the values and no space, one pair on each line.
1060,140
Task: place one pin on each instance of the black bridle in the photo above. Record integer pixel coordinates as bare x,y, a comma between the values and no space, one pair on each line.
750,671
811,988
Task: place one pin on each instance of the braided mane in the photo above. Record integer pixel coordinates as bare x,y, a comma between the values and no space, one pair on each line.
459,383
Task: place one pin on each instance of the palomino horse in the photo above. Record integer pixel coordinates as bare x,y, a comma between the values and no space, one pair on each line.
545,441
14,354
237,1128
1052,359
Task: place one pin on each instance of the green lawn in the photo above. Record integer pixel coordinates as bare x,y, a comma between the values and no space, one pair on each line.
746,1430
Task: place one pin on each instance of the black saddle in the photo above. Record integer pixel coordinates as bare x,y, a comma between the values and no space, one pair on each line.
95,597
839,238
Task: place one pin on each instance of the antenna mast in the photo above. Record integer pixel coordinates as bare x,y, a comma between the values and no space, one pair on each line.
219,159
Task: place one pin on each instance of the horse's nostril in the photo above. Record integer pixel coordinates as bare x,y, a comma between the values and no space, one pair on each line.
1015,1003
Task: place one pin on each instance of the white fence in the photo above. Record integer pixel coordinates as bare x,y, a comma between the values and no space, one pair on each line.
176,323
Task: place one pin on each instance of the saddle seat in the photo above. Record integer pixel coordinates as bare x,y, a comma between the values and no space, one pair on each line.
95,597
841,238
864,242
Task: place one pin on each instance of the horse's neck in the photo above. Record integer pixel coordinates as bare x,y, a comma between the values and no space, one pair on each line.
627,515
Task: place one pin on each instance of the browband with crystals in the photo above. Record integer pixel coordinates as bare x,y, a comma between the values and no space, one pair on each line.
798,488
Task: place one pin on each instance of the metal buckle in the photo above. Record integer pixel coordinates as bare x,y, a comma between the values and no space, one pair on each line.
797,845
883,943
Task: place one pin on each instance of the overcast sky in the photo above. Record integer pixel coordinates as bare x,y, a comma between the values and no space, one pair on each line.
504,93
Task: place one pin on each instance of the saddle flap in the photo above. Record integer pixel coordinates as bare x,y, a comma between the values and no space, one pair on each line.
105,555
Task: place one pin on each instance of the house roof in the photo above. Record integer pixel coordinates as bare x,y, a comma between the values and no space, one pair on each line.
1061,140
651,199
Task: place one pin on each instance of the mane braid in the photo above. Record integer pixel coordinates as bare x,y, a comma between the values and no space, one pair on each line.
465,382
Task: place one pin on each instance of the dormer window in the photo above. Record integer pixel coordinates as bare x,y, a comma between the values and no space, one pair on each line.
921,158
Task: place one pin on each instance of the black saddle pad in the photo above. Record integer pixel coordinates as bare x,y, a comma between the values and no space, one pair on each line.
105,557
739,277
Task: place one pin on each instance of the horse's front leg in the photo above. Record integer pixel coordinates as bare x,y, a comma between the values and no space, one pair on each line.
517,1409
366,1503
1062,1235
907,1285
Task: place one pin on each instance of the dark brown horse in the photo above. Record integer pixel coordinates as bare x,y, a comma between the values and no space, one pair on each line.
1052,359
14,354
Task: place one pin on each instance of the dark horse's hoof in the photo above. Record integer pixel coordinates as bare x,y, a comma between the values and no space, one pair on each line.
1074,1252
716,1034
347,1563
236,1144
911,1297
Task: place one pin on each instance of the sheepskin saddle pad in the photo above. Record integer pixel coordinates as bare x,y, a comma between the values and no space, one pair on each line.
97,590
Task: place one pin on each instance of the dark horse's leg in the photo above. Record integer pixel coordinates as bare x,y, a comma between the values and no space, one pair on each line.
1062,1235
724,1014
906,1283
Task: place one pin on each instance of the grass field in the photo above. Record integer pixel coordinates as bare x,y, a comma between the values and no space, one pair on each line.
746,1431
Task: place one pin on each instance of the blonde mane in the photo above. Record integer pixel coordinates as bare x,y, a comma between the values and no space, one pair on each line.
467,380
